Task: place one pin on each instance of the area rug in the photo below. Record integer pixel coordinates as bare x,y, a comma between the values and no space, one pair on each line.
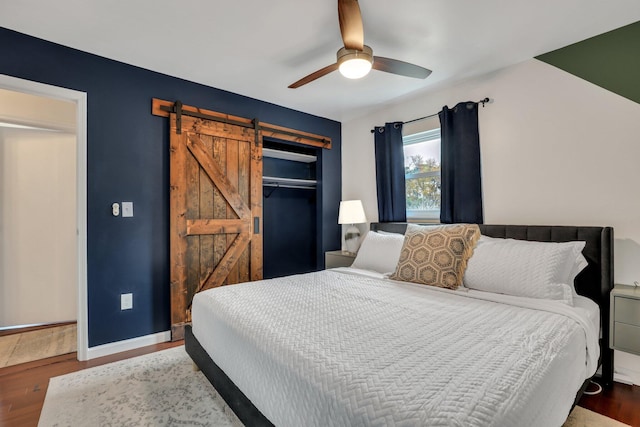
157,389
36,345
163,389
581,417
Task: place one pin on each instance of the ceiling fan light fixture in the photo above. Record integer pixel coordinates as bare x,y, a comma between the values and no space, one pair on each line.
353,63
356,59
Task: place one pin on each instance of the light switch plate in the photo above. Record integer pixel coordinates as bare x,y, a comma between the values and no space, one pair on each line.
126,301
127,209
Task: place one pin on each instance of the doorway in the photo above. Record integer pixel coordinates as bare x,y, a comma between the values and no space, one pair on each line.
290,208
43,153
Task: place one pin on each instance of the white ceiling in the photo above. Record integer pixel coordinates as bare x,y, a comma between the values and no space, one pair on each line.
257,48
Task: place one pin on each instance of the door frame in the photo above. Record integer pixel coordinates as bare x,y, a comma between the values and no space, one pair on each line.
80,99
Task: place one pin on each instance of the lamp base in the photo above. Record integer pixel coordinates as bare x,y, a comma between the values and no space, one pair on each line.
352,239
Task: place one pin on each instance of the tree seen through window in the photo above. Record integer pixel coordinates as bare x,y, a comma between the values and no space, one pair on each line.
422,174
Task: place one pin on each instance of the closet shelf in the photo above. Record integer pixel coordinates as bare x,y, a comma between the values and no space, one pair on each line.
288,155
276,181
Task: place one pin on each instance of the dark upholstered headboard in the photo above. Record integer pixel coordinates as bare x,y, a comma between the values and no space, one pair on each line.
594,282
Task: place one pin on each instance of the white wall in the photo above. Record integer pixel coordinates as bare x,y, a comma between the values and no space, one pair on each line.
38,249
555,150
26,109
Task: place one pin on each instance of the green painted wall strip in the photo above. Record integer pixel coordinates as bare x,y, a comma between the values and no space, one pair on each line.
610,60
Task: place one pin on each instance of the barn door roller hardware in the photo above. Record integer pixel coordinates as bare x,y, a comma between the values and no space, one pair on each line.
177,109
164,108
256,127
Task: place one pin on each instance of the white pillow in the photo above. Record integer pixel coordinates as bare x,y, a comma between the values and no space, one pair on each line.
524,268
579,264
379,252
388,233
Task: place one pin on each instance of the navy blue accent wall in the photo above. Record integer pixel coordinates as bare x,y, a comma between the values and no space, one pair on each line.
290,242
289,215
128,161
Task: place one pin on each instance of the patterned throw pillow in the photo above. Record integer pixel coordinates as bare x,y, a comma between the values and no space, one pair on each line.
436,256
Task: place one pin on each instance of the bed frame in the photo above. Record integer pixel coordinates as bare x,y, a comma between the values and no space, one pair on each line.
594,282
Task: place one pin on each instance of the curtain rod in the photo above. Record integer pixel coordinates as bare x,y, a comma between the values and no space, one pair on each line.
482,101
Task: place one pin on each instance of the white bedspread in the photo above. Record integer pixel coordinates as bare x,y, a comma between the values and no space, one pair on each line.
336,349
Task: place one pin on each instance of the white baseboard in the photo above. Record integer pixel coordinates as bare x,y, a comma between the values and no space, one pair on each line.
622,378
627,368
125,345
626,376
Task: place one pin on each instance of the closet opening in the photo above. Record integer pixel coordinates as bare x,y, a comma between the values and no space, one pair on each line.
290,208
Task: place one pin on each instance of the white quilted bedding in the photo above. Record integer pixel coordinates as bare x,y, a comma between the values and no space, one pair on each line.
336,349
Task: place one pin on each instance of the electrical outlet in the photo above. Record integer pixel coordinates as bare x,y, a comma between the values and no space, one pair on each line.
126,301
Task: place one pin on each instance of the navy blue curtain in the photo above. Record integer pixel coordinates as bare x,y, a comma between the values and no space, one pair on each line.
392,204
461,193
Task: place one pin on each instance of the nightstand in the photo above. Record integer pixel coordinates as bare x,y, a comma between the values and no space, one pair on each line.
333,259
625,319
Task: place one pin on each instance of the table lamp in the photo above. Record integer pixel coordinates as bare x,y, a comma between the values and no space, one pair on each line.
351,212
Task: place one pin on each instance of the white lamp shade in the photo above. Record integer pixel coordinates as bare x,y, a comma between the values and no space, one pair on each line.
351,212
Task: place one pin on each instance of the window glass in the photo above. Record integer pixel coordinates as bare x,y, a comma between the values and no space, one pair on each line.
422,174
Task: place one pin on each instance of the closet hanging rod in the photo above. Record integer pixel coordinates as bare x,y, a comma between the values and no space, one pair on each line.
482,101
303,187
276,185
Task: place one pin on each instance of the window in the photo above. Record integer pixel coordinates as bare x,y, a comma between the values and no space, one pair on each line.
422,174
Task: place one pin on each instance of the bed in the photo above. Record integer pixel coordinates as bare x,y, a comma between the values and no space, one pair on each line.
350,347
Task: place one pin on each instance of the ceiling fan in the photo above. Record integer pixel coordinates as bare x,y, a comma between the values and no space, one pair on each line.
356,59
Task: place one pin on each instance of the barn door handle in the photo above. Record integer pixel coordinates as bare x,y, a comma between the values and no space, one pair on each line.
256,225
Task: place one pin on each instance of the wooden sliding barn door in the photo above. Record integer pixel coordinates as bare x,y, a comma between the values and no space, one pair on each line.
216,210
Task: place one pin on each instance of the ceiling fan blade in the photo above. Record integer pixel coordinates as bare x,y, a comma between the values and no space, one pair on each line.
313,76
351,24
401,68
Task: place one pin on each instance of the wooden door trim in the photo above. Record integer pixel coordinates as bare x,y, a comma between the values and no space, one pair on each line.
162,108
256,261
177,238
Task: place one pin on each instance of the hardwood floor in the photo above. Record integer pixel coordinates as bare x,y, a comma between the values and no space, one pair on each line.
23,345
23,388
621,402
